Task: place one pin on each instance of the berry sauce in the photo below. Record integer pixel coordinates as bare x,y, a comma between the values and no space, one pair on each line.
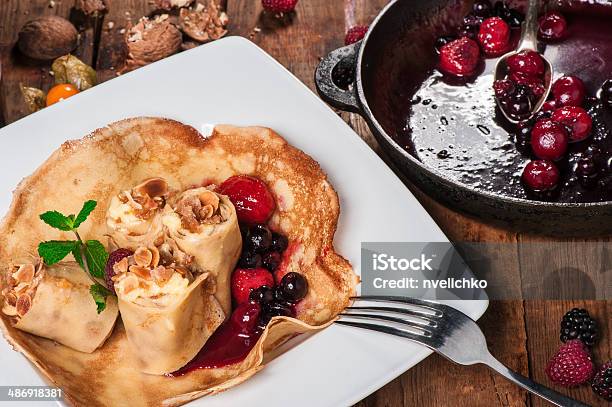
228,345
456,128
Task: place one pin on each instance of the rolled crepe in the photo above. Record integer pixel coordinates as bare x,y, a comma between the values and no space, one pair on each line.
54,302
204,225
134,217
168,318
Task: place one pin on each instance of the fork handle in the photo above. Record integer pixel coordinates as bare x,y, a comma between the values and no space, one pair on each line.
550,395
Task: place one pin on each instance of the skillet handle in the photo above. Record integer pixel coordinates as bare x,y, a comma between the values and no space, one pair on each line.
328,91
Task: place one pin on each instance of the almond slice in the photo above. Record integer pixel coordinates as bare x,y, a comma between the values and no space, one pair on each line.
121,266
162,274
23,305
141,272
25,273
143,256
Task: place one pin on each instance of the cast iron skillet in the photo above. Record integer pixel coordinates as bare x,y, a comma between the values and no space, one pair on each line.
396,36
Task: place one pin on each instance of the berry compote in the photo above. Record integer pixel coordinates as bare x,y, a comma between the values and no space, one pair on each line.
454,126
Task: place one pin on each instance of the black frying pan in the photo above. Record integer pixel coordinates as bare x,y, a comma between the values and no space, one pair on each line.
393,59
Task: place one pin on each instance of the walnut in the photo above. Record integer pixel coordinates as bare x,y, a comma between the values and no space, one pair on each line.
47,38
151,40
169,4
93,8
204,23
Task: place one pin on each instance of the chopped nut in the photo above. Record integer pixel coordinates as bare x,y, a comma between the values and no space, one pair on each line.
21,287
152,187
143,256
9,310
155,256
204,23
140,271
91,7
23,305
121,266
10,298
162,274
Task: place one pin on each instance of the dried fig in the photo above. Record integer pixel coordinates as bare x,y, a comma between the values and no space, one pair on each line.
151,40
204,23
47,38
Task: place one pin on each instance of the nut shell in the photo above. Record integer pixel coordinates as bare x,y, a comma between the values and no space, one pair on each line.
151,40
47,38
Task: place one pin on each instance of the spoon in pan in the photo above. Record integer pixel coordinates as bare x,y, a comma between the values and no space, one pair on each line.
529,41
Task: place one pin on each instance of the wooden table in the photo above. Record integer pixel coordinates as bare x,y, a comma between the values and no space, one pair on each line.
522,334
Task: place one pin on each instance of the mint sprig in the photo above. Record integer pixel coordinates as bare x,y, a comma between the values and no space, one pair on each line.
90,255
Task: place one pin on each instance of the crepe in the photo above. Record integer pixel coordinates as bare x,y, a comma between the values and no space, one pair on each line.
134,216
54,302
204,225
121,155
167,315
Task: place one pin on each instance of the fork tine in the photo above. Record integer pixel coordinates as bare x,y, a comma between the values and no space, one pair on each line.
421,317
373,317
435,308
424,340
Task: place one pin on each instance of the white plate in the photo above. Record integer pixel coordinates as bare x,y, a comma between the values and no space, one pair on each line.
233,81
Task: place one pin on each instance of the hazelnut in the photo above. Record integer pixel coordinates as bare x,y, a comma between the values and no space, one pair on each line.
204,23
169,4
47,38
92,8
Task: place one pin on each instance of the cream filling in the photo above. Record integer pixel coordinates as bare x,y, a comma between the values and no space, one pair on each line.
149,292
123,217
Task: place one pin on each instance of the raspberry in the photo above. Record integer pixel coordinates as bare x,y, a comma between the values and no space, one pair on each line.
246,280
576,119
571,365
355,34
279,6
253,201
113,258
459,57
494,36
602,382
577,323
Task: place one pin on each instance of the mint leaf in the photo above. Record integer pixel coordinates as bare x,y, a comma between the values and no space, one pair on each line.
55,250
88,207
99,294
58,220
96,257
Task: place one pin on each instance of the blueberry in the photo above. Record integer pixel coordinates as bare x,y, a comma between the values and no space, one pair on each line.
293,287
606,93
586,167
514,18
262,295
258,239
482,8
249,260
541,115
271,261
279,243
522,140
275,309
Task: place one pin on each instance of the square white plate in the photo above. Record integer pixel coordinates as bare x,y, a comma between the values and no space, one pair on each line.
233,81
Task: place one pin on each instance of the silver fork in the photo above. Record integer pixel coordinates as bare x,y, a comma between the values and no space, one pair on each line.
445,330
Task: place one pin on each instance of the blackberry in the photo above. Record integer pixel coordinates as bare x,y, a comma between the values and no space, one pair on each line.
578,324
602,382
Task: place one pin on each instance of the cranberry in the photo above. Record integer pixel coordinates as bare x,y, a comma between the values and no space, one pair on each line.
549,106
482,8
527,62
576,119
246,280
258,239
606,92
568,91
113,258
271,261
292,287
541,175
279,242
246,316
442,41
549,140
553,26
494,36
253,201
459,57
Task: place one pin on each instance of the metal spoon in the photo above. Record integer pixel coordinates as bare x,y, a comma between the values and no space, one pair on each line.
529,41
